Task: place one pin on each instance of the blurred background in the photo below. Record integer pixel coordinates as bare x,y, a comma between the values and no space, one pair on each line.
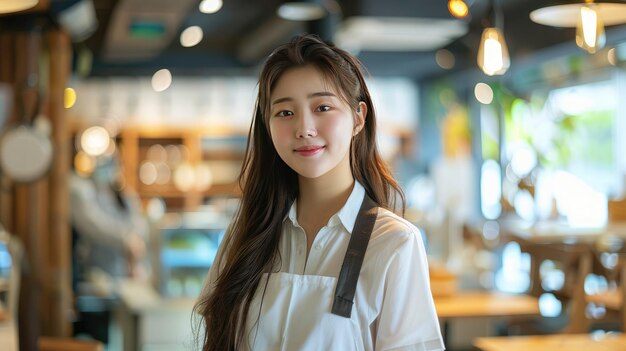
123,124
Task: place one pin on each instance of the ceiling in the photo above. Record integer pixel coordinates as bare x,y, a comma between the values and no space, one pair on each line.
239,36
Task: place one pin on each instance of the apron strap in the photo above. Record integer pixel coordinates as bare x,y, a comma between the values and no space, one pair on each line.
351,266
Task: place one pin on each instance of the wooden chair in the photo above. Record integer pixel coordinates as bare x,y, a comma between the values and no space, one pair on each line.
613,299
575,261
68,344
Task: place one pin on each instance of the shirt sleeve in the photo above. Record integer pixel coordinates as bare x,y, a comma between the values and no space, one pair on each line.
407,319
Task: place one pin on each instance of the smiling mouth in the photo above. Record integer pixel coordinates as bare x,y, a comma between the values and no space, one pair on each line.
308,150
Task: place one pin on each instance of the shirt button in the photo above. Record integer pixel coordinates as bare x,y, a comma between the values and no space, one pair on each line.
318,247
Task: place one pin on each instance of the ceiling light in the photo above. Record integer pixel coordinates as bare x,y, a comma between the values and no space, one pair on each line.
210,6
588,17
95,141
612,57
567,15
458,8
69,97
364,33
493,54
161,80
304,10
590,30
8,6
84,164
444,58
483,93
191,36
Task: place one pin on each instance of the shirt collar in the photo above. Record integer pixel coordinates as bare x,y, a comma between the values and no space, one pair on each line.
292,214
346,215
350,210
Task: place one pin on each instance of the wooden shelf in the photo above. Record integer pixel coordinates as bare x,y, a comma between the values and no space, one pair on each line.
134,141
171,191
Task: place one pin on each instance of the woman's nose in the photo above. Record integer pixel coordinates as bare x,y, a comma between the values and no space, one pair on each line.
306,126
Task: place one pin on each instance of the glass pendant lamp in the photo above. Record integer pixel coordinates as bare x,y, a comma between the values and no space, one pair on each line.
9,6
588,17
493,53
590,29
458,8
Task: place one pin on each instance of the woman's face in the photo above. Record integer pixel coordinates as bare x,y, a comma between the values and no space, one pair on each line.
310,125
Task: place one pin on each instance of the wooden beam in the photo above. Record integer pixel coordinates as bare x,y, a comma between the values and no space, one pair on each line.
59,245
30,290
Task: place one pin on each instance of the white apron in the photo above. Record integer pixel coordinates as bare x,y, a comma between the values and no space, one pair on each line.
296,315
295,310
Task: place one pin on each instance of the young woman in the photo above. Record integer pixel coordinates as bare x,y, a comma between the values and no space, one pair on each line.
314,258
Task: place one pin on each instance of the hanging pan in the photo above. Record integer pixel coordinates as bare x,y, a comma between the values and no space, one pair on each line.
26,152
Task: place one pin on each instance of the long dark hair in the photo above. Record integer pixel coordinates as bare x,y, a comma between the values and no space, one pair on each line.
269,187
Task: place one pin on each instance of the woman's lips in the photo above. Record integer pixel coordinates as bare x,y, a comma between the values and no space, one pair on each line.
308,150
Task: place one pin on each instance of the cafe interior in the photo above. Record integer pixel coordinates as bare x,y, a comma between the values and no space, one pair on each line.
123,126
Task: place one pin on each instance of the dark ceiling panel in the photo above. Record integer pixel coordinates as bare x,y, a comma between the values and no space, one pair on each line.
240,21
397,8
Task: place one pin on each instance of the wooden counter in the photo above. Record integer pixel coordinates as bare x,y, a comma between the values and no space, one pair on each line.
565,342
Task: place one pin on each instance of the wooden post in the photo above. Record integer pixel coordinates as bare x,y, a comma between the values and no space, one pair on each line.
25,207
7,73
38,212
59,245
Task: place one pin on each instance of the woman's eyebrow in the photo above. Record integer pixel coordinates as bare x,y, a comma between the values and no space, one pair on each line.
312,95
321,93
283,99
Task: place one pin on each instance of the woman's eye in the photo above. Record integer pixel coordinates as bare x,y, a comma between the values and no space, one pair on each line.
284,113
324,108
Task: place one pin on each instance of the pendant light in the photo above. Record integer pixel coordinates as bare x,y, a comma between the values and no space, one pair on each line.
493,53
9,6
458,8
588,17
589,29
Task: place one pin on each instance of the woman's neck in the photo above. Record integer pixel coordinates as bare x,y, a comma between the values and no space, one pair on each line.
320,198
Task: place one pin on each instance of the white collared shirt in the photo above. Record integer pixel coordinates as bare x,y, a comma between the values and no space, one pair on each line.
393,300
393,303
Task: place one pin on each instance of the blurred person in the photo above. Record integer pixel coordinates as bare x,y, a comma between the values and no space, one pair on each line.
315,259
111,231
109,236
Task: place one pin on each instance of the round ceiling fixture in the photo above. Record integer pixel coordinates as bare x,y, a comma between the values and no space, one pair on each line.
301,10
567,15
8,6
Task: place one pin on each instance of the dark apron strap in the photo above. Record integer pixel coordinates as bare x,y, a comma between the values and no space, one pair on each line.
351,266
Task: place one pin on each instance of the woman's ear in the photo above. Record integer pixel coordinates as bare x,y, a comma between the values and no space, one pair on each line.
359,117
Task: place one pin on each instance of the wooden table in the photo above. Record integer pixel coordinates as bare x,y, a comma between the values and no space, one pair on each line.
550,232
486,304
558,342
483,304
611,298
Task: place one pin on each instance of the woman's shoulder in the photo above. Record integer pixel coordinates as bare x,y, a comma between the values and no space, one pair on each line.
394,230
